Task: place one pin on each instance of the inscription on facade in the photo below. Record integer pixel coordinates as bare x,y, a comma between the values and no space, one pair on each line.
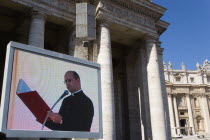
129,15
59,4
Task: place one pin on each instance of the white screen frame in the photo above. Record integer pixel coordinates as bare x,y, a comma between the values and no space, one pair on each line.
11,47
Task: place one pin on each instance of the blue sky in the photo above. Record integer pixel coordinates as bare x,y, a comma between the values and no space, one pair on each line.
187,39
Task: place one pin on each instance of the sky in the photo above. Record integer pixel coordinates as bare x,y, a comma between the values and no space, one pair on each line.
187,38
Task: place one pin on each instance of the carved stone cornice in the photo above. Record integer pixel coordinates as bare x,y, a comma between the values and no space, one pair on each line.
142,7
139,6
61,8
160,50
161,26
150,5
114,13
107,6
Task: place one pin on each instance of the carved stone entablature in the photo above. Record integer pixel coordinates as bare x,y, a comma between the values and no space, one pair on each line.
160,50
151,5
175,95
204,94
188,94
161,26
195,95
117,14
81,1
140,8
60,8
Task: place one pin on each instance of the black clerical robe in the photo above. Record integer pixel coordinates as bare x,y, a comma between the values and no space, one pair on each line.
77,113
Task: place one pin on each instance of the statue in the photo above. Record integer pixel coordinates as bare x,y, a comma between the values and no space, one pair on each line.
164,65
169,65
198,66
183,66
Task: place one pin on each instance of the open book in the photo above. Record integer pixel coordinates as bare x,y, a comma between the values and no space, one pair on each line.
33,101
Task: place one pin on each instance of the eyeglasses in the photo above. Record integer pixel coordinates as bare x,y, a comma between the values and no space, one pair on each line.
68,80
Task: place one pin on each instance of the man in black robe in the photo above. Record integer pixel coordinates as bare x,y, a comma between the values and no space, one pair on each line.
76,112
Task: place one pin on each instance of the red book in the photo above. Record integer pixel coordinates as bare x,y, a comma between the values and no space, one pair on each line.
35,104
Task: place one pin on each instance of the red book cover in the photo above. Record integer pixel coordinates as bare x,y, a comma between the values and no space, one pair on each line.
35,104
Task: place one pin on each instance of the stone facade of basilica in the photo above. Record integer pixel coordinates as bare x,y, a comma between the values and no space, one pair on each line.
127,46
189,99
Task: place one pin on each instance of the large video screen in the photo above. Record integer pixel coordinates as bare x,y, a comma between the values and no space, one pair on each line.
48,94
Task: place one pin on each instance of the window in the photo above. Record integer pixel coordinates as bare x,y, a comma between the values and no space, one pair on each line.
208,79
196,102
181,113
178,79
181,101
192,80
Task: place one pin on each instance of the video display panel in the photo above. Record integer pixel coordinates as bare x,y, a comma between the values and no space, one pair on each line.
37,79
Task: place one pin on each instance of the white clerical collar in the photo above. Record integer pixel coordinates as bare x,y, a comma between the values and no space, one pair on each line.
76,92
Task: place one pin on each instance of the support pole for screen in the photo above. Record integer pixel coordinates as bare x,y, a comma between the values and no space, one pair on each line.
2,136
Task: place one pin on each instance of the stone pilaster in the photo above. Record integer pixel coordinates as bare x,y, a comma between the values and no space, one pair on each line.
105,59
155,92
205,79
206,114
37,29
190,113
200,78
176,114
171,77
185,78
171,113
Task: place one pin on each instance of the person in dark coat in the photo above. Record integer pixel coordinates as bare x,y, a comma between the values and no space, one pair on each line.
76,112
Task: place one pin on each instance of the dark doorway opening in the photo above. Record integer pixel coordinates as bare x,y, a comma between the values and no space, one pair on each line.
183,123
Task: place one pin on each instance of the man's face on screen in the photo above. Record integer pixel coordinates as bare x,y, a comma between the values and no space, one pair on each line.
72,84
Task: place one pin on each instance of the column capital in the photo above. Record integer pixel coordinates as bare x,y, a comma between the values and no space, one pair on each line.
104,23
204,95
188,94
170,94
150,39
37,28
175,95
38,15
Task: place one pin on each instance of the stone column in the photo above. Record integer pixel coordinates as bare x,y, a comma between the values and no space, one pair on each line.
190,113
105,59
145,106
36,33
155,92
176,114
171,113
206,113
163,87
